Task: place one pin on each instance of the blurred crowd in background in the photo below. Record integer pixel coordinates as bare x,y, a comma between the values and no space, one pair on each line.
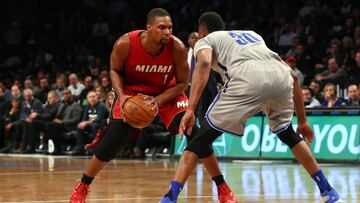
54,61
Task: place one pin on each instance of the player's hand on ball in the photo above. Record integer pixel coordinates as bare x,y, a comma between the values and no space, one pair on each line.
305,130
151,101
122,103
187,122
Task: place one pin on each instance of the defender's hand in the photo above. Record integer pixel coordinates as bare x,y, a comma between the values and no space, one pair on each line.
187,122
306,131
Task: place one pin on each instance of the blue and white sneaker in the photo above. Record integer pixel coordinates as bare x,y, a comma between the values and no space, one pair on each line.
330,197
166,199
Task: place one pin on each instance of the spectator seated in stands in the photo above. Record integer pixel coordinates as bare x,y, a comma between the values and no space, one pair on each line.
66,120
75,86
2,111
331,99
39,121
7,93
93,114
354,70
30,105
42,95
103,127
333,74
28,84
88,84
59,87
15,92
309,100
100,94
105,83
11,126
316,87
353,96
11,117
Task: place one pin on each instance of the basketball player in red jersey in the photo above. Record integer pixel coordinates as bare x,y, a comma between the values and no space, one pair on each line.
151,62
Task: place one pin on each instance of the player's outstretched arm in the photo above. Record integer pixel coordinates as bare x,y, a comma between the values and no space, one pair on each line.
200,76
303,126
199,80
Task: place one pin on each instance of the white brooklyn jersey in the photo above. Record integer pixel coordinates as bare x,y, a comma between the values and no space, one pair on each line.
257,81
232,48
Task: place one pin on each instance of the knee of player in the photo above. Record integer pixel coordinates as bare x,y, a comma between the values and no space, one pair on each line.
289,137
201,151
105,155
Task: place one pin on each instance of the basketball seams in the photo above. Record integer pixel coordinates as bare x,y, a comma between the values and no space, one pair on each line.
134,120
129,114
139,119
140,107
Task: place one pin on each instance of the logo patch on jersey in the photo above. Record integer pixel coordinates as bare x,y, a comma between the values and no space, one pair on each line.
181,104
153,68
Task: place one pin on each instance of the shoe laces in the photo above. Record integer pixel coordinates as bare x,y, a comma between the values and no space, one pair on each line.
225,192
80,191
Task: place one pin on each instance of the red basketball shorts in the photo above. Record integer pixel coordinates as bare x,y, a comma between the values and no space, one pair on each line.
167,111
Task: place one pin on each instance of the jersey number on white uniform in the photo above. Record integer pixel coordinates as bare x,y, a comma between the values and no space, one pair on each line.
244,38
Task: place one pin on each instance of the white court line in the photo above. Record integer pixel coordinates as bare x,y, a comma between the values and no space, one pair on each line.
112,171
262,161
120,170
158,198
42,156
138,198
37,156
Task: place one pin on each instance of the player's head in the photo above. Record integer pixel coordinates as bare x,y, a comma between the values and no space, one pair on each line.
210,22
193,38
159,25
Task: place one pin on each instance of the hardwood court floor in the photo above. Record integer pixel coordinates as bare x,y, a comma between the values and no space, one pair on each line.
51,179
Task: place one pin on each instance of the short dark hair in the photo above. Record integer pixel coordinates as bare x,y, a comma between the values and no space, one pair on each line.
156,12
310,90
212,21
317,82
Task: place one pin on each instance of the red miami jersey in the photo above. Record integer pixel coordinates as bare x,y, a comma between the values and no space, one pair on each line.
147,74
151,76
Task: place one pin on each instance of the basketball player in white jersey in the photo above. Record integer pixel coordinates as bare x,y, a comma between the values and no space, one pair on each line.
258,80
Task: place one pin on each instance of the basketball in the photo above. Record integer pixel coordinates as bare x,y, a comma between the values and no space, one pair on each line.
137,113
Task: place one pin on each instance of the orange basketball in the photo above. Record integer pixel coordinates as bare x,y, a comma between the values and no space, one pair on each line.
137,113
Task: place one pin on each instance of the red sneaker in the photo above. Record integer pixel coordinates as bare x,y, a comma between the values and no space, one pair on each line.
79,193
225,194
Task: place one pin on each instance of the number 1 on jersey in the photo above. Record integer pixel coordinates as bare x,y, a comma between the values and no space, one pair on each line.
165,78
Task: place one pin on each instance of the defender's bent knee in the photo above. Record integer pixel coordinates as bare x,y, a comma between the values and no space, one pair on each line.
201,144
289,137
200,151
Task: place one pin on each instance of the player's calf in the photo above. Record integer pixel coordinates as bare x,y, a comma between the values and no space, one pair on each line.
292,139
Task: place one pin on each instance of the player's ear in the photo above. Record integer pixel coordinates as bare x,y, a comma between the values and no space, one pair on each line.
148,26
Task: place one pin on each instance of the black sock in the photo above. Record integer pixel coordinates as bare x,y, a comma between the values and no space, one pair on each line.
87,179
218,179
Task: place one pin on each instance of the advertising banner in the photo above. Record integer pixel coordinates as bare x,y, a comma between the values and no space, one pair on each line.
336,137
